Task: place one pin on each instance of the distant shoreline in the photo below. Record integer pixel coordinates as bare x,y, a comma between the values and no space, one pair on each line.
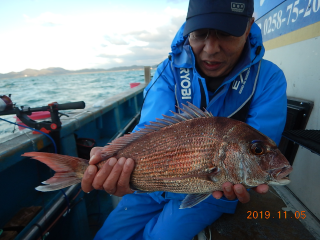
60,71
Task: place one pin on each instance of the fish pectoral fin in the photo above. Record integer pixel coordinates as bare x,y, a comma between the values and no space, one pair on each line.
215,174
193,199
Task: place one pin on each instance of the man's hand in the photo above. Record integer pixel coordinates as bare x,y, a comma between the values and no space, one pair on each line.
232,192
113,177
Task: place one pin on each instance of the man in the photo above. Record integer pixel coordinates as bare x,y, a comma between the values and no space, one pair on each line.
216,62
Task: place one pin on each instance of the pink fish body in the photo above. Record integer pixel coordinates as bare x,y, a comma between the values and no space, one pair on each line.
192,153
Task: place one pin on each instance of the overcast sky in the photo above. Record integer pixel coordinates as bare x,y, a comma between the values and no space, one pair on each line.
77,34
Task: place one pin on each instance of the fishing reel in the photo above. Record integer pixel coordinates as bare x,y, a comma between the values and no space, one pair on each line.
23,113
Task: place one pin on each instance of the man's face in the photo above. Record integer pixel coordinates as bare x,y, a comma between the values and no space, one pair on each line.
218,53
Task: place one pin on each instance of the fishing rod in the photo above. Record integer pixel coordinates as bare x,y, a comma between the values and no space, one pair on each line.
23,113
49,127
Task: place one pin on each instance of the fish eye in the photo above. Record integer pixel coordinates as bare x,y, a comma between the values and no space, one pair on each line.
257,148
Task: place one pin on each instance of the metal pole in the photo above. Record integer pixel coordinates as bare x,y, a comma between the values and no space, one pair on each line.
147,74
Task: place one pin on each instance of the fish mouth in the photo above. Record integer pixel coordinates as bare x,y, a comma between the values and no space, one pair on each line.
278,176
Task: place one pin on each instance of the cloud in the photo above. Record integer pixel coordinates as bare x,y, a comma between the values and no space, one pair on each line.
178,21
117,40
156,45
90,39
46,19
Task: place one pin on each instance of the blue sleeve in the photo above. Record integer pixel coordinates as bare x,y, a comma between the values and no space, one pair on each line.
159,95
268,110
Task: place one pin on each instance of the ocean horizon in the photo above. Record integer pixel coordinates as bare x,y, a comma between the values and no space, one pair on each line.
41,90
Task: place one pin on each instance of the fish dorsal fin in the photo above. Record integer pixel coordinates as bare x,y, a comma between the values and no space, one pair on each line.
188,112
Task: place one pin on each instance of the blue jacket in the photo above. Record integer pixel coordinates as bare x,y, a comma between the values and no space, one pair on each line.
266,85
253,80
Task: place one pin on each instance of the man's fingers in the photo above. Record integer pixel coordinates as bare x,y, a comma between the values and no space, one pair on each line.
123,186
241,193
232,192
228,191
262,189
88,177
110,185
217,194
113,177
104,173
95,155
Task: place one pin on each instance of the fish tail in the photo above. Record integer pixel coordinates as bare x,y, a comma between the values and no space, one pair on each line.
69,170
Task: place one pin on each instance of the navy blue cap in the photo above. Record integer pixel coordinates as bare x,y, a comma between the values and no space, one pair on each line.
224,15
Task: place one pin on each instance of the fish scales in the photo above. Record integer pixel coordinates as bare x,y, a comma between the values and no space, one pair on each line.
180,150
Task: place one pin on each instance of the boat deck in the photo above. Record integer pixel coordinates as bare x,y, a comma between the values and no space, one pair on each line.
264,217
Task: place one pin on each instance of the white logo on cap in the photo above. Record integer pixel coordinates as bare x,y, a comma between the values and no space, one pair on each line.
237,7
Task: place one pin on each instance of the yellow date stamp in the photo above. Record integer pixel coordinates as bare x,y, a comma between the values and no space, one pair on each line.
278,215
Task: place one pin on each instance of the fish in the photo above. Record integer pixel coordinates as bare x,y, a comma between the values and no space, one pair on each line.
191,152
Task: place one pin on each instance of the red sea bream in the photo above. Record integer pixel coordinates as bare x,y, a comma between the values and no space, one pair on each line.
192,153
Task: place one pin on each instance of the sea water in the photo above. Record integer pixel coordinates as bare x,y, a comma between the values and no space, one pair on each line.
42,90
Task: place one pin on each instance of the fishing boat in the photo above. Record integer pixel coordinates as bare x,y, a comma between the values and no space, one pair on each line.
291,35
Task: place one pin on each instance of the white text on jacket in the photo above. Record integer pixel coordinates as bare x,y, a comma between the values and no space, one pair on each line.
185,83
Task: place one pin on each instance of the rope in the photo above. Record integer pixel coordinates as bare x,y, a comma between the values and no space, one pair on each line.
54,144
